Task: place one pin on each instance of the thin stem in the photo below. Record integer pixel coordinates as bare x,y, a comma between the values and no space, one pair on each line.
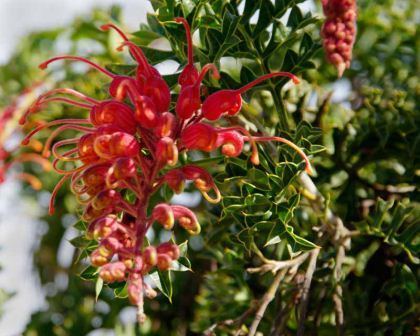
267,298
305,291
338,293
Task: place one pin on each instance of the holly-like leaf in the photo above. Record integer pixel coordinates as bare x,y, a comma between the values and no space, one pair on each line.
162,280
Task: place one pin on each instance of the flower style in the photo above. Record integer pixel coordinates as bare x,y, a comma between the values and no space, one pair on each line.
130,144
339,32
7,128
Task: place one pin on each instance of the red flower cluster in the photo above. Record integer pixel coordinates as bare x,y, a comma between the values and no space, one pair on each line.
339,32
128,145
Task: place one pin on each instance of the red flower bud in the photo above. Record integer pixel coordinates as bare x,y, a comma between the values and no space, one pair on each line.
111,244
187,219
86,151
189,98
158,91
114,113
230,101
200,136
232,143
164,262
124,168
121,85
90,213
188,75
170,249
113,272
175,180
146,112
106,199
103,227
94,176
163,214
150,256
202,181
135,288
114,145
97,258
166,125
167,151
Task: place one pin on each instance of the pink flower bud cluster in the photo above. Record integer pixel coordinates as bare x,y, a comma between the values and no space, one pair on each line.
129,144
339,32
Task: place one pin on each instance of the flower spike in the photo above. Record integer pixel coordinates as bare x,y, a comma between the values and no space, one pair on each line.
127,144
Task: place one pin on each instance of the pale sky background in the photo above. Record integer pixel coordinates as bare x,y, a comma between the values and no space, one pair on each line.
19,17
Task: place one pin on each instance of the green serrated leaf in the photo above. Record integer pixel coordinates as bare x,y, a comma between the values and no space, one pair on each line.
144,37
183,248
89,273
121,69
162,280
80,225
80,241
121,290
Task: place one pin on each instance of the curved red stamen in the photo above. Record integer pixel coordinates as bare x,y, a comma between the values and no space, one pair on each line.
59,130
268,76
66,172
64,143
189,38
33,157
41,100
31,179
74,122
205,70
67,101
54,193
45,64
308,167
108,26
72,92
138,55
75,179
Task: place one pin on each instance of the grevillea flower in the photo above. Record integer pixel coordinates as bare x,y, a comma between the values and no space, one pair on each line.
129,144
339,32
